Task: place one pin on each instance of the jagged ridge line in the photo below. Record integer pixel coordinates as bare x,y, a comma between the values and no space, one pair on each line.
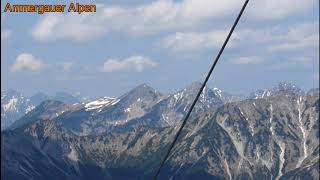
201,89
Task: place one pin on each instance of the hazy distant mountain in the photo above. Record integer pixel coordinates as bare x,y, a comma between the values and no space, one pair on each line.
170,110
270,137
65,97
140,102
14,104
104,113
46,110
142,106
59,96
281,87
39,98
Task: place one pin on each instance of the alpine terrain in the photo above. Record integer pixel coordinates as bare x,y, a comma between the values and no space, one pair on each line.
14,104
269,134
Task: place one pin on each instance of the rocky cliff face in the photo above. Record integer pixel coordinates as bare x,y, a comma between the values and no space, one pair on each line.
270,137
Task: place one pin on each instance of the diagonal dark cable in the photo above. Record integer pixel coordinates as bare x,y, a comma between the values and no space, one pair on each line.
201,89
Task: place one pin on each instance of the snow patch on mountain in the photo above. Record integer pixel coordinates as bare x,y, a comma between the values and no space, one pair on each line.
11,105
100,103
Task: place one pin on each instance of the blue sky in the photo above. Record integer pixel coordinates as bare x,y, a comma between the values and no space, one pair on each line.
166,44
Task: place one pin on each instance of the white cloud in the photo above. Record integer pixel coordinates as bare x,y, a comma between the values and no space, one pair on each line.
73,27
271,39
26,61
194,41
5,34
275,9
134,63
246,60
158,16
297,37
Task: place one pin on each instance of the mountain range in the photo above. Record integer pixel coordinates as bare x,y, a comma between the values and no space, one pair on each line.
269,134
14,104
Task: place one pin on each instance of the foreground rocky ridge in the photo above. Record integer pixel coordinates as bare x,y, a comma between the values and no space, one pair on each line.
270,137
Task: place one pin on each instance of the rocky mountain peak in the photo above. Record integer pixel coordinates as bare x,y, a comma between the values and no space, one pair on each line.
194,86
208,95
270,138
282,87
48,109
142,92
287,87
13,106
143,88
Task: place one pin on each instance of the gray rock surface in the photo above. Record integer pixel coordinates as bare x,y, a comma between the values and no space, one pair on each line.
272,137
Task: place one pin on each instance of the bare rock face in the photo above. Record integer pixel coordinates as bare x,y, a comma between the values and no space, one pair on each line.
270,137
